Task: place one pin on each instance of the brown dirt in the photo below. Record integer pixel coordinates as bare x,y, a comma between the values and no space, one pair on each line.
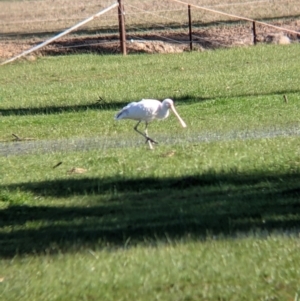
154,42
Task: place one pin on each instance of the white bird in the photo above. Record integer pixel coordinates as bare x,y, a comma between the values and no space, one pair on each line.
148,110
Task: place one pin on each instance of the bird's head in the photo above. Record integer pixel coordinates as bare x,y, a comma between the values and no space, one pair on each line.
170,105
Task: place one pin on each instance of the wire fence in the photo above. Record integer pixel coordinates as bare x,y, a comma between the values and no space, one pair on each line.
146,20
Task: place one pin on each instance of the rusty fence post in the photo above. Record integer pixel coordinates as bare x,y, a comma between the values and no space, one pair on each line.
190,27
122,27
254,32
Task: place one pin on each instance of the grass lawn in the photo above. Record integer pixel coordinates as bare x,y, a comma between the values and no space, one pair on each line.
197,218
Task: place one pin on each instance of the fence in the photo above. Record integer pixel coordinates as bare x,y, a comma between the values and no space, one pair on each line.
168,14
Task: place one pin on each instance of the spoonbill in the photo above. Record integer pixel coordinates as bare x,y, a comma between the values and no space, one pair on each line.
148,110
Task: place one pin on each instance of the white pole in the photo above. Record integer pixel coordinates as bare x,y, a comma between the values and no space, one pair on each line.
61,34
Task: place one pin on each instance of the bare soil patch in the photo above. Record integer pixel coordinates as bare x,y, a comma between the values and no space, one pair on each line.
209,37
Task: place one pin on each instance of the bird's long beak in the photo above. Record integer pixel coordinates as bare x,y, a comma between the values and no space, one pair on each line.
178,117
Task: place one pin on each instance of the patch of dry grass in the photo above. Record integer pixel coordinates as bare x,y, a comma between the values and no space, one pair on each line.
55,15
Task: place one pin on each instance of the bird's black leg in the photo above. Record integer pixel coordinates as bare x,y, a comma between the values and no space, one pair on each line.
147,137
146,133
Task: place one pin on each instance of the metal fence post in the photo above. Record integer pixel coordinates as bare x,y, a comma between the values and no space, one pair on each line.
122,27
190,27
254,33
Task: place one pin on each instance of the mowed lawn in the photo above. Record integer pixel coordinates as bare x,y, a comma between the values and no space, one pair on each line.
212,213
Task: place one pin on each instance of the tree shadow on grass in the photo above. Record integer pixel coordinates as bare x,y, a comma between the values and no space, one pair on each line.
117,105
97,105
149,209
46,110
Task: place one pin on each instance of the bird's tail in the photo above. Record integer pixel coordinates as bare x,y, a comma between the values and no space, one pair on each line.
118,116
122,114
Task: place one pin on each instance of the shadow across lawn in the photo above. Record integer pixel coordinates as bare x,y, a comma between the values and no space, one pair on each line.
119,211
96,105
117,105
46,110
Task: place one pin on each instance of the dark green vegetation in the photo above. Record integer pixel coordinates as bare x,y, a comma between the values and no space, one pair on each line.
191,220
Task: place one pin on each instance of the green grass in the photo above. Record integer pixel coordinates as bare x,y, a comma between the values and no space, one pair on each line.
248,84
266,269
191,220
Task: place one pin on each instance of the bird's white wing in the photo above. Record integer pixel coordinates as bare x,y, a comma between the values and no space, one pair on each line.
145,110
150,106
125,111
